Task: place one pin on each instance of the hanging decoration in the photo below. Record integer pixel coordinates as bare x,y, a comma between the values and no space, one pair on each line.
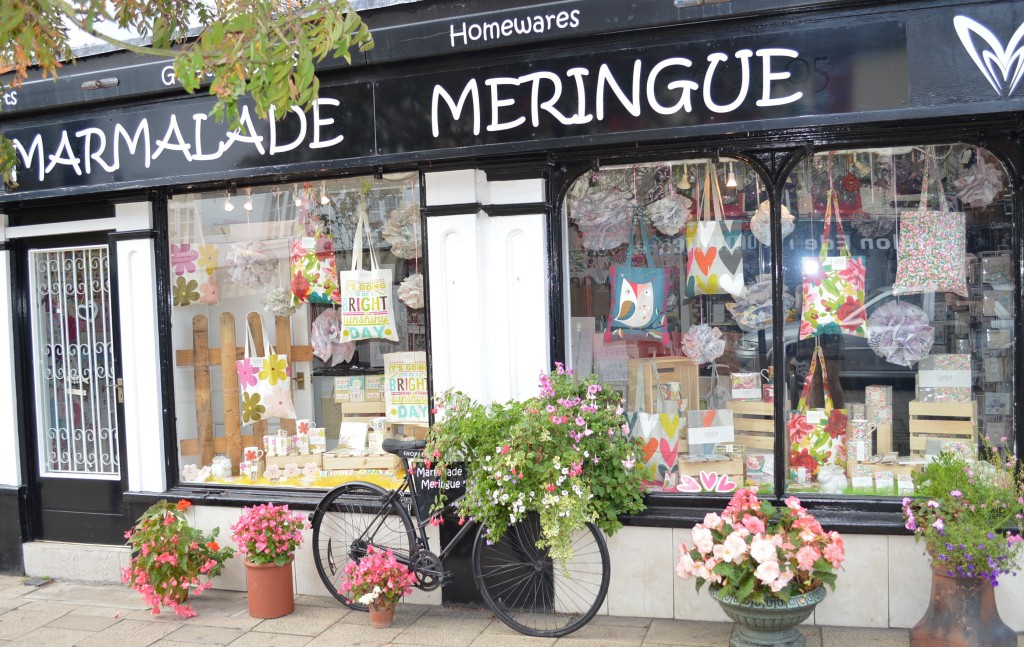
252,264
703,344
900,333
752,309
600,213
760,222
402,230
278,302
325,338
981,183
670,213
410,291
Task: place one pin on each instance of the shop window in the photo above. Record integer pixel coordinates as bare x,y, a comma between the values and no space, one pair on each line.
912,313
671,303
286,373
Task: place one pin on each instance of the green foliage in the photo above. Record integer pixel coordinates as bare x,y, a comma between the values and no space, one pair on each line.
969,513
562,455
264,48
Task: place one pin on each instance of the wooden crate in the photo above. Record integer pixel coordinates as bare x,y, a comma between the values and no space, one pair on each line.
654,371
947,421
298,459
754,423
332,461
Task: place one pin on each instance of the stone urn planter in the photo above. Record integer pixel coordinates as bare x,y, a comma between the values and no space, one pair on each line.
961,613
772,622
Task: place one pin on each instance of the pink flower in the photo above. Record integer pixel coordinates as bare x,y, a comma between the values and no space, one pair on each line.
183,258
806,556
767,571
247,373
753,524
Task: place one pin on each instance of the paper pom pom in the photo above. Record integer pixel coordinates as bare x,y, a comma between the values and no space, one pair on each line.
603,217
251,264
703,344
326,340
752,309
670,213
410,292
278,302
401,229
900,333
980,184
760,223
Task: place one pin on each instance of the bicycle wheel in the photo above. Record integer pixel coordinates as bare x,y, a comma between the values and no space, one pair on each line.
348,521
535,595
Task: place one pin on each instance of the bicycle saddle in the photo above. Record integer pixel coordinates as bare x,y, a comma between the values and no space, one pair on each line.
396,446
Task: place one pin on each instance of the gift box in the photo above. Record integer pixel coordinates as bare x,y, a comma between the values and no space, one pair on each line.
350,388
721,471
746,386
317,440
878,395
298,459
859,450
879,414
944,378
374,388
858,410
338,461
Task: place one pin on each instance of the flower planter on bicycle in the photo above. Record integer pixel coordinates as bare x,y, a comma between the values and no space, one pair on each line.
546,477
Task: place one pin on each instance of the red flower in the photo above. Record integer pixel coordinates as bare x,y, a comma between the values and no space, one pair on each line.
853,273
850,183
805,460
836,426
798,428
850,314
324,248
184,504
212,545
300,286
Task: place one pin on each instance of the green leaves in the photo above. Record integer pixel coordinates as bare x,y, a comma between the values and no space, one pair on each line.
263,48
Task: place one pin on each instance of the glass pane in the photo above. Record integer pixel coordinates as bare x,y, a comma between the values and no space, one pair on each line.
275,263
912,314
73,351
684,336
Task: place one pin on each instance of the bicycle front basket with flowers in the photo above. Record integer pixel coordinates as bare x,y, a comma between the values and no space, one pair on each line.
564,455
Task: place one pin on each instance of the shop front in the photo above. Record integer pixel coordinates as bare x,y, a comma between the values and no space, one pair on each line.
789,236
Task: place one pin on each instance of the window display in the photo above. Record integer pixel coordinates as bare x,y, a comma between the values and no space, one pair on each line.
916,337
298,326
671,303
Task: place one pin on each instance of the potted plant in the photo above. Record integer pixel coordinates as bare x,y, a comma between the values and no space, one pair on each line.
171,558
267,536
969,514
564,455
379,581
766,565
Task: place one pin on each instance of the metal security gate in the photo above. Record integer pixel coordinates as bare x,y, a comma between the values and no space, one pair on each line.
78,444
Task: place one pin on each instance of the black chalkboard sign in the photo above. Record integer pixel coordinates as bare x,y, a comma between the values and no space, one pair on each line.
429,482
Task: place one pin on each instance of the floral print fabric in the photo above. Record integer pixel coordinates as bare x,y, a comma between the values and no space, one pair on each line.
314,270
817,437
192,268
833,289
931,252
265,383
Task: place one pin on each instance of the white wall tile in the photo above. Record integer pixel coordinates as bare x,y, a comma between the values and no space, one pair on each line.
909,582
451,187
642,573
516,191
858,601
208,517
688,604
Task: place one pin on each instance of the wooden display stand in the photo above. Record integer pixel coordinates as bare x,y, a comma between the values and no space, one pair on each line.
754,423
947,421
655,371
298,459
202,358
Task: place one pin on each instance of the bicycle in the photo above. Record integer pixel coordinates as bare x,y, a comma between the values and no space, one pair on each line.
518,581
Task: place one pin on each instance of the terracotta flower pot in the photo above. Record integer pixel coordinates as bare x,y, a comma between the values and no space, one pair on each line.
961,613
271,594
381,614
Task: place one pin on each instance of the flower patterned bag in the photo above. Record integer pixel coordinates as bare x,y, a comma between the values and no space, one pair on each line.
265,383
314,272
193,264
637,307
833,288
817,437
931,253
714,261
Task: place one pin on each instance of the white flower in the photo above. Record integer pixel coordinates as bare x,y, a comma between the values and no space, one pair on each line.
763,550
767,572
735,548
712,520
685,566
702,539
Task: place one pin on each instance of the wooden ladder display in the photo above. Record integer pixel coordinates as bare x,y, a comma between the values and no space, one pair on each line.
201,358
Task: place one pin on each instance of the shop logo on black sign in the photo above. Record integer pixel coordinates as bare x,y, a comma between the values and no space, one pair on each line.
1003,68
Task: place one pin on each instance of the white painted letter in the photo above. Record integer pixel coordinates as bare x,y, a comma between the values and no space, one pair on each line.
471,90
716,58
26,156
90,155
604,77
165,142
767,76
319,122
245,121
132,143
686,86
274,148
497,103
581,116
549,105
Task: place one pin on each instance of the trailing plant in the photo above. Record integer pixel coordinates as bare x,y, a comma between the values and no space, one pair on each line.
564,454
171,559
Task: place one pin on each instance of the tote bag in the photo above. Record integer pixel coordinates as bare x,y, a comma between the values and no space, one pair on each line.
314,273
659,435
931,252
367,308
817,437
193,264
638,295
833,288
265,383
714,261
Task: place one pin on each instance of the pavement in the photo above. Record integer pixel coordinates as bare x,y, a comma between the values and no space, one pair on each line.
60,613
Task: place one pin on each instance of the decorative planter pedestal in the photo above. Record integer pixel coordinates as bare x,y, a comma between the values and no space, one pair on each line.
271,594
772,623
381,615
962,613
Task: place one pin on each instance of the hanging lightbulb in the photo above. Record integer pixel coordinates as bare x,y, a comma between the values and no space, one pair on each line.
247,205
298,196
324,200
228,206
730,180
686,178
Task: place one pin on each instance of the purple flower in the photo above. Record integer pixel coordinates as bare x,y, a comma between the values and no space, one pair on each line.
938,525
956,493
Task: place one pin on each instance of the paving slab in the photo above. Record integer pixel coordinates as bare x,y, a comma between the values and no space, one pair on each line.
257,639
130,633
863,637
194,634
83,622
687,632
97,595
443,630
500,635
304,621
17,622
51,637
355,636
612,636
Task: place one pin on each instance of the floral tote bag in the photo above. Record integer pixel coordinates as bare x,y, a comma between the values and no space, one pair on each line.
817,437
265,383
638,296
314,272
193,264
833,288
931,253
367,309
714,261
